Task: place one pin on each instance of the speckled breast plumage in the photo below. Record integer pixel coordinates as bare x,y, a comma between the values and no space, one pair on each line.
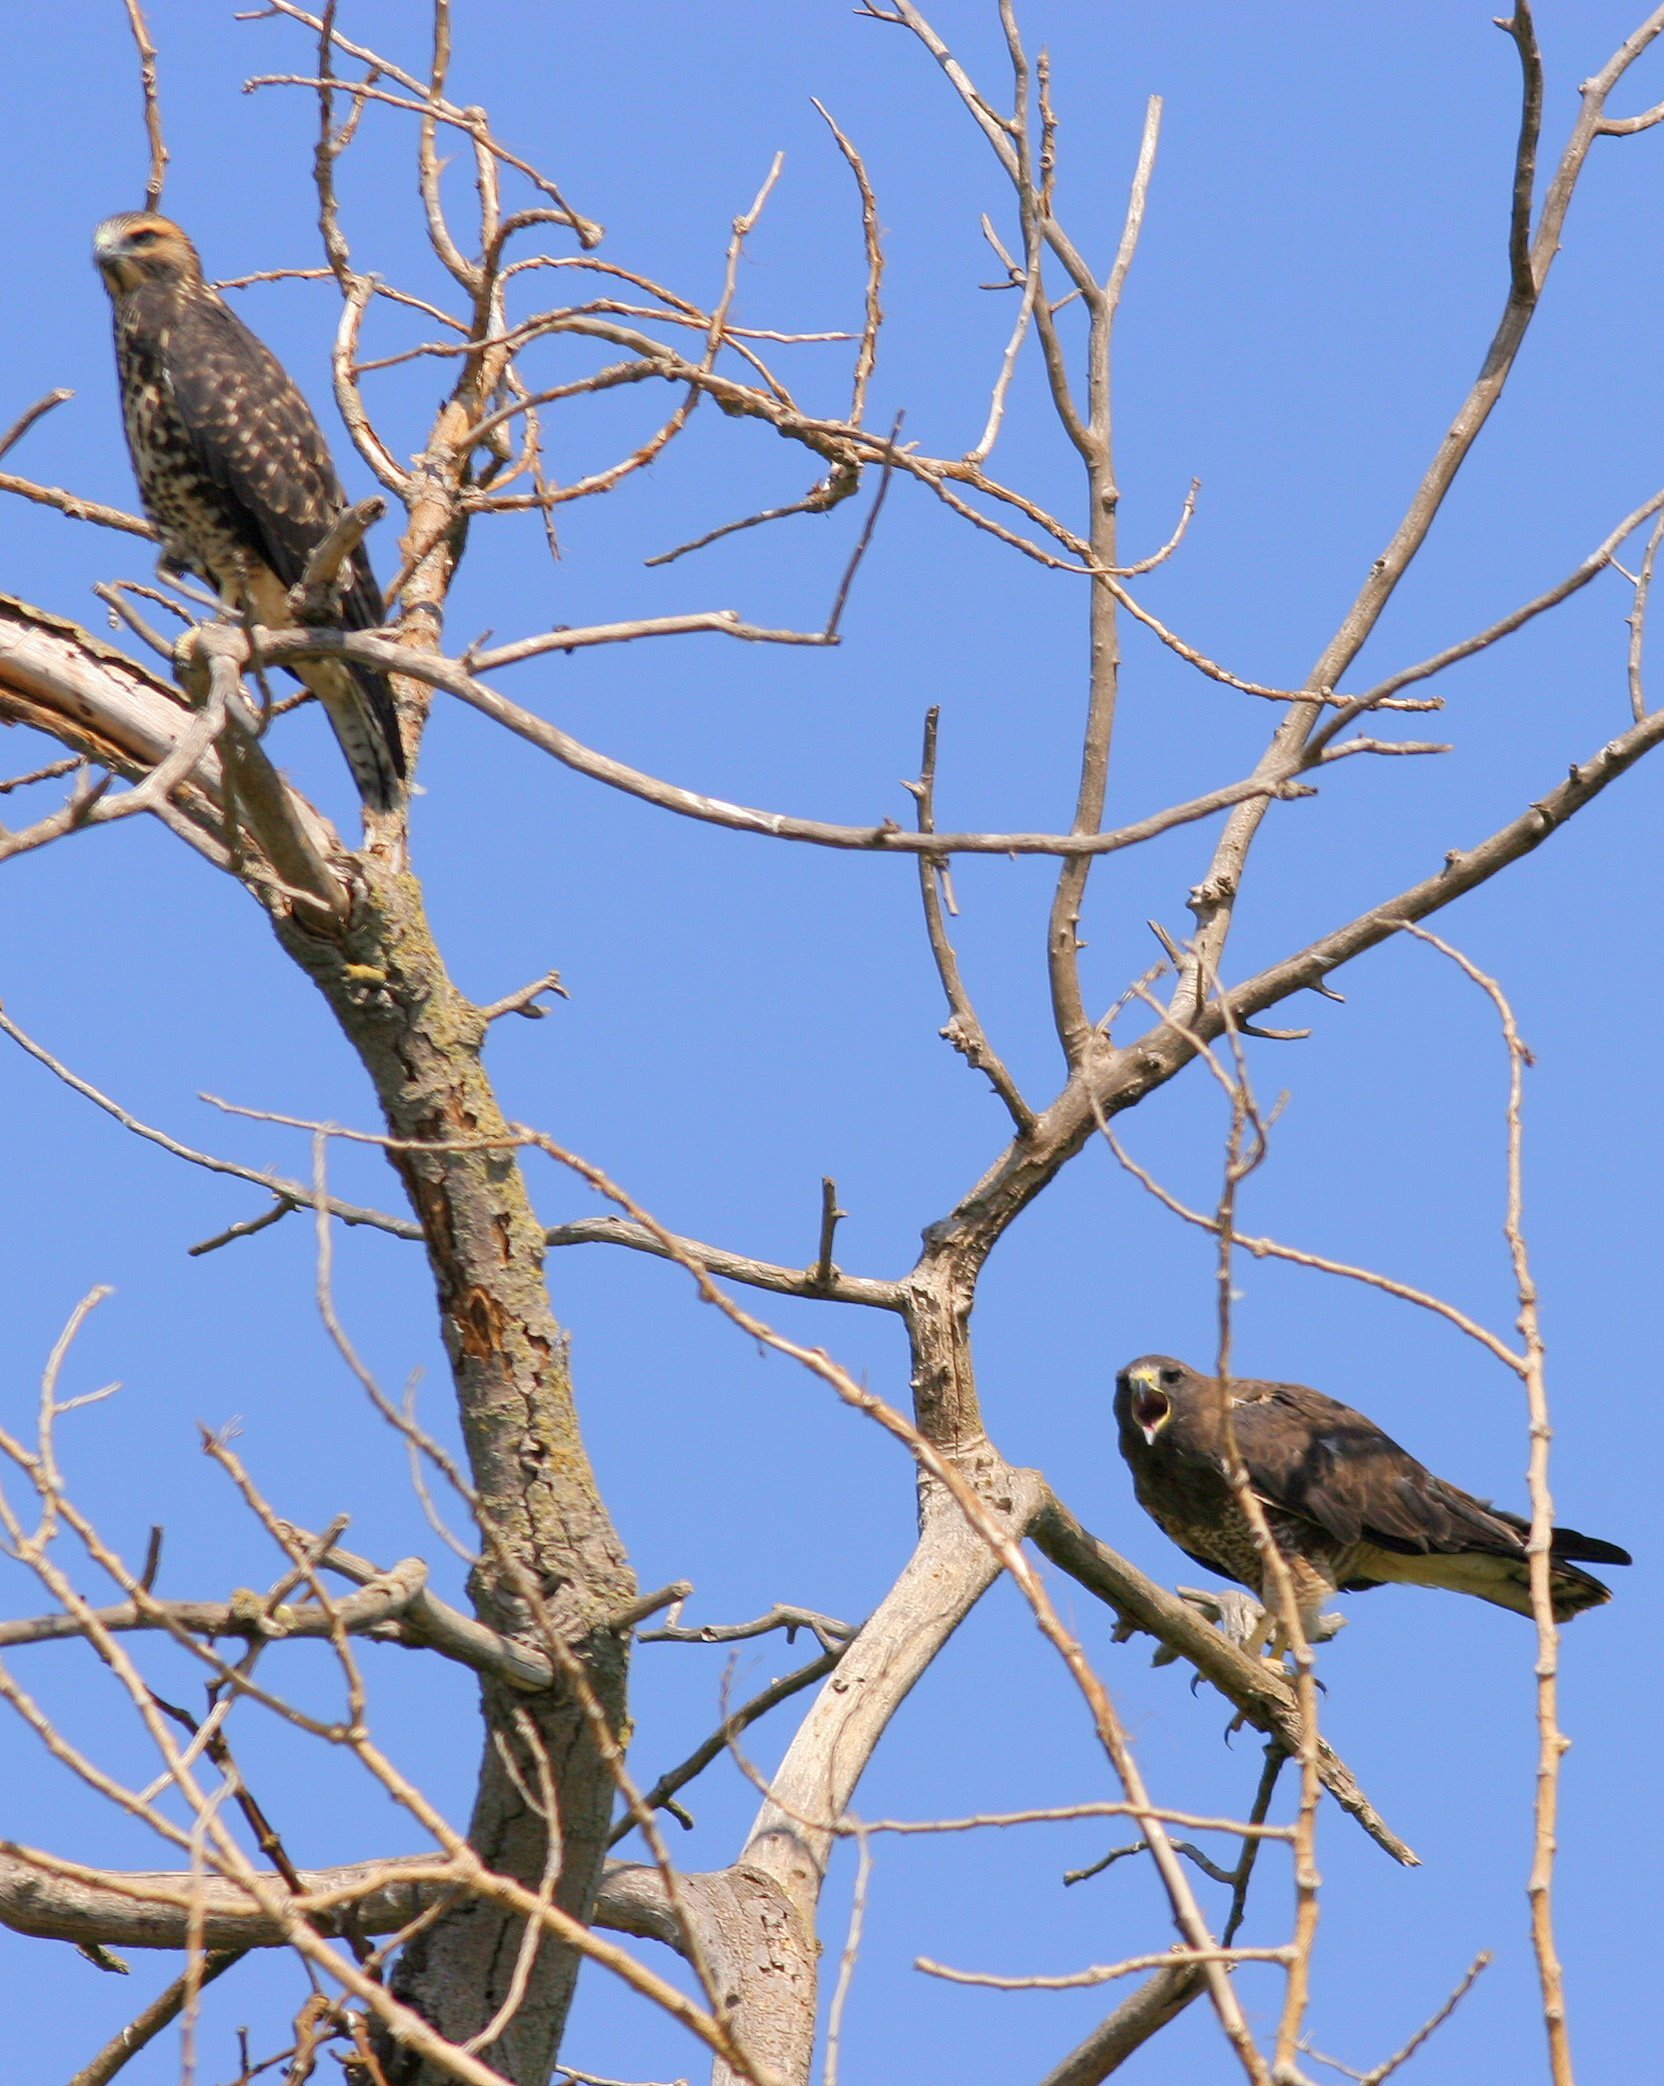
194,517
1203,1518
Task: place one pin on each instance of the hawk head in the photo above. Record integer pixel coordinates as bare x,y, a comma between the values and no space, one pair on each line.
1146,1392
138,247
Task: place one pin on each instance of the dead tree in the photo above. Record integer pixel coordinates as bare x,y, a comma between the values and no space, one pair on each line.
458,1962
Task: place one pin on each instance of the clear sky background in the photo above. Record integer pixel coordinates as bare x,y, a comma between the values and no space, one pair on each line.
1322,264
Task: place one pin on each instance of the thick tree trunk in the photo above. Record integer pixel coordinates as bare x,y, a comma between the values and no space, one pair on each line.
548,1544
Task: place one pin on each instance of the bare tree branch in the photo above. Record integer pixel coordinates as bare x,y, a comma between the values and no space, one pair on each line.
161,2013
662,1795
386,1597
839,1288
291,1194
152,104
964,1031
279,647
867,354
1263,1696
77,508
1528,276
1402,2057
27,418
430,1621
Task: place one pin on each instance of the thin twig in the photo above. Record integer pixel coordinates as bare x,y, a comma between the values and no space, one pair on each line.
77,508
867,354
280,647
1265,1248
847,1960
662,1795
245,1229
1603,555
963,1030
1252,1830
815,503
865,537
162,2011
827,1631
1160,557
1551,1741
1402,2057
725,622
634,1613
152,105
829,1216
1637,620
49,773
524,1001
113,593
27,418
1101,1973
292,1192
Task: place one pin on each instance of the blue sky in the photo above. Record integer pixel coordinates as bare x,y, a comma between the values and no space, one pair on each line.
1321,268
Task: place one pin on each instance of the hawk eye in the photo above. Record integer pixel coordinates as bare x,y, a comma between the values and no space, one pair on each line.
146,235
1170,1377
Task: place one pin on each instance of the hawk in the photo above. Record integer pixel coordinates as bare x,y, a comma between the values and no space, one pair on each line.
1346,1506
234,472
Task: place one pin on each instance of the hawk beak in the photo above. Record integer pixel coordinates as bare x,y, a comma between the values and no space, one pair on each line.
109,251
1151,1406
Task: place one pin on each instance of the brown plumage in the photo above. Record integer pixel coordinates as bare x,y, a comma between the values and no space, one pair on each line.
1347,1507
234,472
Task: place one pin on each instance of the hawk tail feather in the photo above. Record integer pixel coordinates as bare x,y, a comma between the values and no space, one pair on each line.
1503,1581
1566,1543
380,769
359,704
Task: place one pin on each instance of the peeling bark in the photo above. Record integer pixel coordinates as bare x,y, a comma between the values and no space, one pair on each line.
757,1943
420,1039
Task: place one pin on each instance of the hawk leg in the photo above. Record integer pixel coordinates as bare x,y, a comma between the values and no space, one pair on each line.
1250,1626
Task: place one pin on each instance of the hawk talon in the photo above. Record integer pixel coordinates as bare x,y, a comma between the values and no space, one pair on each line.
1239,1618
1244,1622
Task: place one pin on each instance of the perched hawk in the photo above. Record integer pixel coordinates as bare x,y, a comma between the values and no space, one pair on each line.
233,470
1347,1507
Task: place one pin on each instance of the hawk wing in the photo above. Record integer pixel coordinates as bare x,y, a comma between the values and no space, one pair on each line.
254,437
1311,1456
